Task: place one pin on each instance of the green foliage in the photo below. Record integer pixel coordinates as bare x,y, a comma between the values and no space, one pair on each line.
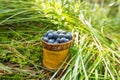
95,54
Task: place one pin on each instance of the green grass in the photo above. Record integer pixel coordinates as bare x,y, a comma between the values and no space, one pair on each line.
95,53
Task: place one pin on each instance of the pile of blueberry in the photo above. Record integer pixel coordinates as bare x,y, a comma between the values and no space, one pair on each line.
57,37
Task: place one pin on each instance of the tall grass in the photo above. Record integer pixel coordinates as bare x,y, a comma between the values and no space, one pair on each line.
94,55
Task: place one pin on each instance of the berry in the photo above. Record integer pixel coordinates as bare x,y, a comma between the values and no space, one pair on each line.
45,39
61,35
51,41
69,36
50,31
56,42
66,40
64,32
62,40
59,31
55,35
58,39
50,35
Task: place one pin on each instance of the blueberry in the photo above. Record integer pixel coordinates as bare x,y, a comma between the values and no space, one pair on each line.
50,31
64,32
56,42
62,40
58,39
51,41
55,36
59,31
66,40
50,35
45,39
61,35
69,36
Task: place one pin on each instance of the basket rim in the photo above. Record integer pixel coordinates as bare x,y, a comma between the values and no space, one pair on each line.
58,44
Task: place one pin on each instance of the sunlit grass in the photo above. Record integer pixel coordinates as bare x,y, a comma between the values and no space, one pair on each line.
95,54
